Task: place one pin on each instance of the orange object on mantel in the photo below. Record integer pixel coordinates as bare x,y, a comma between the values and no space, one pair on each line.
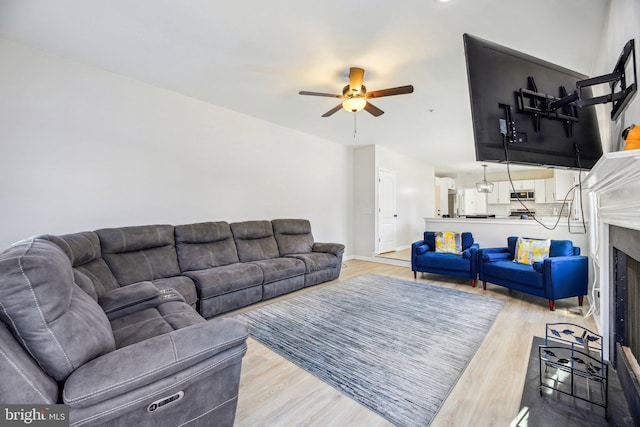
631,136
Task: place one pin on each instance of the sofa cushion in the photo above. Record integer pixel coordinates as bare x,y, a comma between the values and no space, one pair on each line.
84,253
316,261
561,248
443,261
151,322
293,236
254,240
57,322
205,245
228,278
280,268
422,249
430,239
509,271
22,379
529,251
135,254
448,242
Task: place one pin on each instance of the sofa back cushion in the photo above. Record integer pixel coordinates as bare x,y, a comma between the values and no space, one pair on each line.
561,248
55,321
85,255
22,379
135,254
293,236
205,245
557,247
254,240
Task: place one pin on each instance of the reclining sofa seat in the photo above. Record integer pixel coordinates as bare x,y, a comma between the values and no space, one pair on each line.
563,274
256,244
145,253
322,261
207,254
57,345
424,258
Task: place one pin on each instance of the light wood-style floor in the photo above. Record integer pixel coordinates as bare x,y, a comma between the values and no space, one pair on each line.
275,392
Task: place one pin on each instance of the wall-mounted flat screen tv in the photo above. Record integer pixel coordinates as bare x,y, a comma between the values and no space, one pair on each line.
498,77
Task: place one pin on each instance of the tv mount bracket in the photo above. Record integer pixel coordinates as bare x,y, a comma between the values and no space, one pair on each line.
542,105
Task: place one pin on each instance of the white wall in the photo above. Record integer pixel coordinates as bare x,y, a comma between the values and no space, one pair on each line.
83,149
364,200
622,24
414,193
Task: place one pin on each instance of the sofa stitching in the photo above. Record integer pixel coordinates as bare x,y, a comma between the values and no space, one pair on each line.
160,368
55,338
162,390
22,374
17,331
137,324
173,347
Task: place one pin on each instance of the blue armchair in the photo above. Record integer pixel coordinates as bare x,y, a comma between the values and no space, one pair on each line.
425,259
563,274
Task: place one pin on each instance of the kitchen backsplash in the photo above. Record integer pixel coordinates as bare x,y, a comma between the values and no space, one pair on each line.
541,209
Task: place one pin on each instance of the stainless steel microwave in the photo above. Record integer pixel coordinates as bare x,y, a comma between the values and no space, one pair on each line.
523,195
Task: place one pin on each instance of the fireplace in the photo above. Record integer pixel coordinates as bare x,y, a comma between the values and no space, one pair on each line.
614,232
624,342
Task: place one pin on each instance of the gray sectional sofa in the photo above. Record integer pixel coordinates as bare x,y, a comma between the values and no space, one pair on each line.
130,355
216,266
105,321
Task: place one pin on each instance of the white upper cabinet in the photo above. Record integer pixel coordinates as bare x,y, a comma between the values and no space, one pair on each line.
501,194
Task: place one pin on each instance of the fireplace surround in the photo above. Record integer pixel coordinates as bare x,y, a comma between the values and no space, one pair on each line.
614,246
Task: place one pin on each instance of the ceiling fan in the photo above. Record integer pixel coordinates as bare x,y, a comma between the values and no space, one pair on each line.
356,97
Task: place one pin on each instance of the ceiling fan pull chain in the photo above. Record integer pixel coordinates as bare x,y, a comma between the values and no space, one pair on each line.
354,125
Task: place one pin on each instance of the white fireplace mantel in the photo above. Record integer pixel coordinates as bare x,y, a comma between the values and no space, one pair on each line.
614,198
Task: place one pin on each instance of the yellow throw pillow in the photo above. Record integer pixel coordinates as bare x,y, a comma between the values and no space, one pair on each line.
448,242
529,251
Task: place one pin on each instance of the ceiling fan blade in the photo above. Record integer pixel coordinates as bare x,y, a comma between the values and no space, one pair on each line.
356,76
330,95
373,109
332,111
389,92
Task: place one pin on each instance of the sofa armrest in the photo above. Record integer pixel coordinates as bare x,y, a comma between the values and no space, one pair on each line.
135,297
566,276
148,361
336,249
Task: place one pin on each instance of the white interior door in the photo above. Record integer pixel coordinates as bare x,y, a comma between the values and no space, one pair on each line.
387,214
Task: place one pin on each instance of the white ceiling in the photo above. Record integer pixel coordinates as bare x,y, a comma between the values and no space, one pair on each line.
254,56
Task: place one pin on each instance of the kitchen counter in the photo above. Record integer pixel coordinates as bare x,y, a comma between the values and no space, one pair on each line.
493,232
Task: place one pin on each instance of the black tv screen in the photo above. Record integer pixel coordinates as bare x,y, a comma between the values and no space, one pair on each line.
496,75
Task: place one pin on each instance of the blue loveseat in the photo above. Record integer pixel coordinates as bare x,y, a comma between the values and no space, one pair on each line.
425,259
563,274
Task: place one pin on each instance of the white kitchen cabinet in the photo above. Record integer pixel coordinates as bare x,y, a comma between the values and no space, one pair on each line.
550,192
564,180
474,202
541,191
501,194
527,184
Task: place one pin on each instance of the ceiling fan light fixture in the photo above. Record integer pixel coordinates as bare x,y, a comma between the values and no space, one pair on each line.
484,186
354,104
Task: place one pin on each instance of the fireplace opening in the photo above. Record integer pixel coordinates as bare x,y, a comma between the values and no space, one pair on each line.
625,320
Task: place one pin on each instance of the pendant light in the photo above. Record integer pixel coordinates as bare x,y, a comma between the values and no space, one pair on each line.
484,186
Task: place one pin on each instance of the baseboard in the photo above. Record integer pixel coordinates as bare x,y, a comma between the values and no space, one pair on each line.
381,260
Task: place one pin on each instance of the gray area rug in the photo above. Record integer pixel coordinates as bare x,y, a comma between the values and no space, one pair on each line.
397,347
